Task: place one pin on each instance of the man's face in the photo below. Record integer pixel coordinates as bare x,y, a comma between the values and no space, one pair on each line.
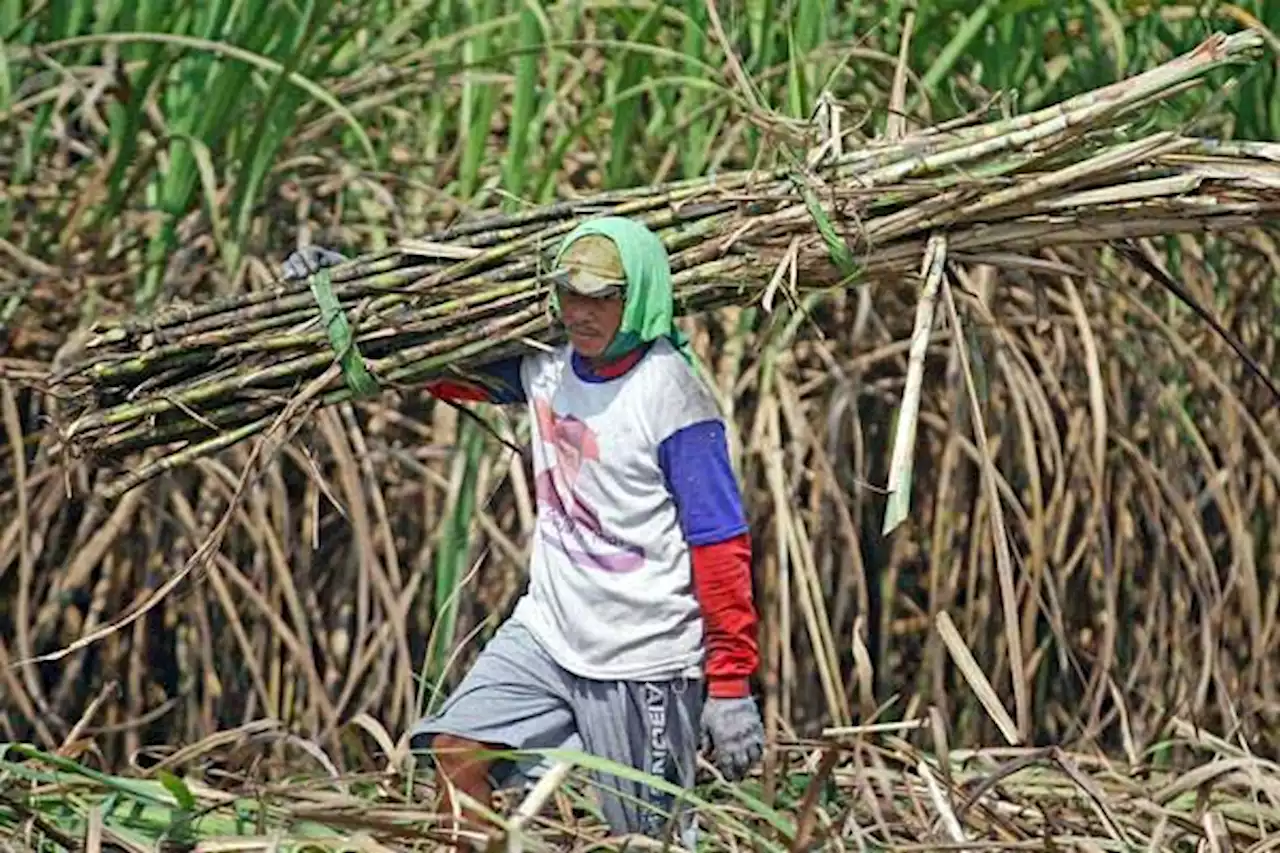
592,322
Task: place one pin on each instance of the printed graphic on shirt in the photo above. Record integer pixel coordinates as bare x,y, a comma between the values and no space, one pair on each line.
578,531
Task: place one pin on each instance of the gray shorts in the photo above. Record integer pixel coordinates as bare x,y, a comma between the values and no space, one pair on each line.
515,696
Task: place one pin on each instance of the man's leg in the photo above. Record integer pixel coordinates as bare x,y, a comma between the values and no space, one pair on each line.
462,765
653,727
514,697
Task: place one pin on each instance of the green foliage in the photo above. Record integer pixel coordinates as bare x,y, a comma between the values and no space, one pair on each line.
212,109
454,548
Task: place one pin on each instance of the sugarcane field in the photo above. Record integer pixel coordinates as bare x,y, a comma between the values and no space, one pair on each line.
600,425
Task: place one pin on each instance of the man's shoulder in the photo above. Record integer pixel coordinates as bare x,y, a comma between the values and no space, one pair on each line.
678,394
668,365
542,362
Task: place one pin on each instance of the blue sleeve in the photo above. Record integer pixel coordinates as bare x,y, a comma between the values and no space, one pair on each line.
695,462
502,380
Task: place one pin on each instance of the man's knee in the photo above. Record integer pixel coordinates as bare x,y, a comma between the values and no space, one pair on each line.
462,759
452,751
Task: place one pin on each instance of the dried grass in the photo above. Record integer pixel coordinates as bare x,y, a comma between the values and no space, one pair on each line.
1134,455
862,791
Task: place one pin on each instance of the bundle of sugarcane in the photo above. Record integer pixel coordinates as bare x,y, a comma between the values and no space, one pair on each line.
198,378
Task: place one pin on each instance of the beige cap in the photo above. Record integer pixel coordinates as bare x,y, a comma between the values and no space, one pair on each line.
592,265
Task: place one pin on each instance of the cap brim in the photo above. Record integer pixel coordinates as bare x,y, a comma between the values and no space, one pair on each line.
584,283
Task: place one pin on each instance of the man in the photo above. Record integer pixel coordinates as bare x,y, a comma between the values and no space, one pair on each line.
639,597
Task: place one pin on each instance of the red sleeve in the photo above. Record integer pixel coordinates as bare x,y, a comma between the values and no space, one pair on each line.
459,392
722,583
494,382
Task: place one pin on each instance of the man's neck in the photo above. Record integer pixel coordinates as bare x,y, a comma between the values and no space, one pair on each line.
602,368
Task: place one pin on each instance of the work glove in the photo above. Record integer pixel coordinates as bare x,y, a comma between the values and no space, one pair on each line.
732,728
308,260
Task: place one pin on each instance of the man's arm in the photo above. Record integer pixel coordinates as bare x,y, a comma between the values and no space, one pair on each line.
495,382
695,461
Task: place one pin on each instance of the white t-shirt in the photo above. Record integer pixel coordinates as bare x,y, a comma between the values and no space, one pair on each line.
610,589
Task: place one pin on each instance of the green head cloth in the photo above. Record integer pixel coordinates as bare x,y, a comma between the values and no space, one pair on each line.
648,312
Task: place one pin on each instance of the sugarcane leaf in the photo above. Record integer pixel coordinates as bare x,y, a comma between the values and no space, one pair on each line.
903,458
841,255
178,788
229,51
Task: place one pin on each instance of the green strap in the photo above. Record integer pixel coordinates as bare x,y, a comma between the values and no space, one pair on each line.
354,371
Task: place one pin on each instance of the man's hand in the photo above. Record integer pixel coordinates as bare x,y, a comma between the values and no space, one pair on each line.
308,260
734,730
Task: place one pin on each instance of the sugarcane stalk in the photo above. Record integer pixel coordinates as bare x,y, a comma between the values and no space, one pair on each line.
1068,173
